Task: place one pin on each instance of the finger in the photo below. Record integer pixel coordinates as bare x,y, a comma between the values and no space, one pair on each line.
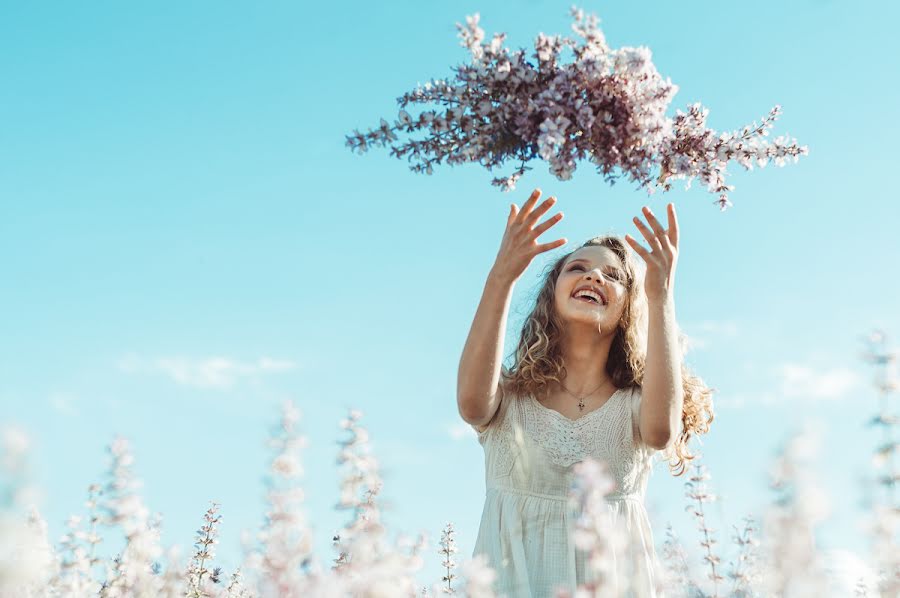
552,245
662,236
673,226
654,224
540,211
638,248
513,210
543,226
651,238
529,203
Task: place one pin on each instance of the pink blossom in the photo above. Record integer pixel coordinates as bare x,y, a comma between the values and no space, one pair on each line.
607,107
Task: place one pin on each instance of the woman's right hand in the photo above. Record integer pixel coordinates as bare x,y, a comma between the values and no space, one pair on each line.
519,245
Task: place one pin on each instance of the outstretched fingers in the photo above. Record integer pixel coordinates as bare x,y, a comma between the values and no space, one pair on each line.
552,245
528,216
529,204
662,242
654,223
513,210
543,226
532,218
673,225
652,241
662,235
638,248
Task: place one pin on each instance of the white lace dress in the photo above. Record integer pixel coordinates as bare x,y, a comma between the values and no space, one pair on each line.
525,529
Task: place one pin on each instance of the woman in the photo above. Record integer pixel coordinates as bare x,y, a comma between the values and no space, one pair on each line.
598,372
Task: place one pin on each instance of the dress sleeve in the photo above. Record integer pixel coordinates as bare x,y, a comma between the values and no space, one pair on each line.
485,431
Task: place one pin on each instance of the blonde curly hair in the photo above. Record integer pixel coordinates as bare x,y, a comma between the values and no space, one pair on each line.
538,359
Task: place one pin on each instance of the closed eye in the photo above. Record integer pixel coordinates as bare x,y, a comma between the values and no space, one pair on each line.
610,275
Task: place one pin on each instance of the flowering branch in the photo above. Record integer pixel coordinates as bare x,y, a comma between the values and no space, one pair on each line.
886,516
132,573
696,490
608,106
743,572
794,563
206,539
676,567
362,474
596,531
285,537
448,549
367,565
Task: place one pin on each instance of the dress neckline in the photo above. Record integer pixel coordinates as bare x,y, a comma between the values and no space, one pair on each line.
577,420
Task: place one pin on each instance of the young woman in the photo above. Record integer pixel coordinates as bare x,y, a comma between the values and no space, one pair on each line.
598,372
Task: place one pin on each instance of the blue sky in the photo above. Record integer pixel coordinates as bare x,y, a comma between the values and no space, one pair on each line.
175,190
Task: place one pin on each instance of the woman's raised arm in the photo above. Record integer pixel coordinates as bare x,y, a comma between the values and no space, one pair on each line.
478,378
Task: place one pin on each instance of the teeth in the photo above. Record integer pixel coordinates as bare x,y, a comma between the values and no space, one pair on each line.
589,294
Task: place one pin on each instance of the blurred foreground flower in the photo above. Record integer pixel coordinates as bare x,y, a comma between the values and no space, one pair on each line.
285,540
608,106
794,564
27,560
601,536
281,562
883,525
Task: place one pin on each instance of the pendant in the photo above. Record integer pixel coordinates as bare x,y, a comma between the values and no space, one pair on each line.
581,405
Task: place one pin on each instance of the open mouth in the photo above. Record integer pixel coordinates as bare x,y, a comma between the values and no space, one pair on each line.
586,299
589,295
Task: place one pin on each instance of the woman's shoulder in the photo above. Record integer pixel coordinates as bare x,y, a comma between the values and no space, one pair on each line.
632,394
630,391
507,397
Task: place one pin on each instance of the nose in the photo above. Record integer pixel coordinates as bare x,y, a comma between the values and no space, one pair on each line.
598,276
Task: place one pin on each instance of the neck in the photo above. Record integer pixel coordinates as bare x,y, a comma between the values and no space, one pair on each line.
585,354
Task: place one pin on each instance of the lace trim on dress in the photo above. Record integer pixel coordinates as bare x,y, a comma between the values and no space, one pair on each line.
611,398
567,441
605,433
504,454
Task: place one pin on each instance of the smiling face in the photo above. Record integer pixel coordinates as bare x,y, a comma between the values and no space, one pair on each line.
597,268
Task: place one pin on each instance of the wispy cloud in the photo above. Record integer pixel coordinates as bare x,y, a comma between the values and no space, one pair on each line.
214,372
792,381
701,335
806,382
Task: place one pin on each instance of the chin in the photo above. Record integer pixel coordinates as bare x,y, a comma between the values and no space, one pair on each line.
590,317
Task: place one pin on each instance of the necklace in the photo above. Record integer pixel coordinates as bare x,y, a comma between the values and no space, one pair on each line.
581,399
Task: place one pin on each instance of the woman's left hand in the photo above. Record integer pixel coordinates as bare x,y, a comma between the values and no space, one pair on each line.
659,283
